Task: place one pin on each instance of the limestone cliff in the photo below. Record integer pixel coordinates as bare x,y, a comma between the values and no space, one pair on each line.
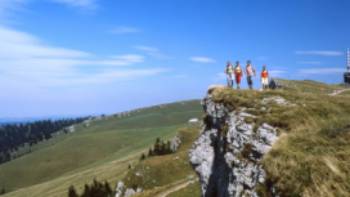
227,154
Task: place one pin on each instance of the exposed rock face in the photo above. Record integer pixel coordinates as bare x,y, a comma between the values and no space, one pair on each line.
122,191
226,155
175,143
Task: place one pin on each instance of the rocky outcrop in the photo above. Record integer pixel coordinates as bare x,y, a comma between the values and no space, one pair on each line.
228,152
175,143
122,191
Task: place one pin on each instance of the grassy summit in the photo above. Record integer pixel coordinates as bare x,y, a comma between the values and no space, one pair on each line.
312,156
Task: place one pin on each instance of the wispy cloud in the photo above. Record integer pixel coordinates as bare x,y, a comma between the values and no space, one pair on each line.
309,62
320,71
202,59
151,51
319,53
125,30
147,48
9,6
277,73
86,4
24,58
180,76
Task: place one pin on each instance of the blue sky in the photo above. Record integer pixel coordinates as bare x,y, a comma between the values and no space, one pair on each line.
79,57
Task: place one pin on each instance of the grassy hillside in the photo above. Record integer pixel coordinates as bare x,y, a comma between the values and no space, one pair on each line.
312,156
308,86
314,131
102,150
170,175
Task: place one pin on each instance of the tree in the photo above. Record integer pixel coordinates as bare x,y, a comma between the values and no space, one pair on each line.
108,188
157,147
14,136
168,147
72,192
150,152
143,157
2,191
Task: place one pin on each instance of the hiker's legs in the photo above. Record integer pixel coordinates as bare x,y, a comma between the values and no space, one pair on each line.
229,82
238,81
265,82
250,82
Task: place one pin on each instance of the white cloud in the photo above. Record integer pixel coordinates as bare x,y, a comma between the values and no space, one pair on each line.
8,6
151,51
309,62
125,30
277,73
26,59
202,59
86,4
320,53
320,71
146,48
180,76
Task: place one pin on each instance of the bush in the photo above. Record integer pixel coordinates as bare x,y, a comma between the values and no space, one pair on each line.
96,189
72,192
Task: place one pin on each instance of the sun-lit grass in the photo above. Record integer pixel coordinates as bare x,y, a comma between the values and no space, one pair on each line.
160,173
190,191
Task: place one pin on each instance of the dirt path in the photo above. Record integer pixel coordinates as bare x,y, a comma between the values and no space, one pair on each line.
175,188
336,92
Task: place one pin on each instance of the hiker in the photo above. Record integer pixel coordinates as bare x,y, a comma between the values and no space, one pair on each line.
229,74
238,74
250,71
264,78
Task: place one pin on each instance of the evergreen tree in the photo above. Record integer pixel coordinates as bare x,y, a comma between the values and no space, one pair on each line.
150,152
72,192
15,136
143,157
168,147
2,191
108,188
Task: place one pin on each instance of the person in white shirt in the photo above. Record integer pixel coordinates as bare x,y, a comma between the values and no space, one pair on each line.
229,74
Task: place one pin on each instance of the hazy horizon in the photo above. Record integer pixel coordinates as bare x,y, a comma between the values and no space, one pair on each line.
86,57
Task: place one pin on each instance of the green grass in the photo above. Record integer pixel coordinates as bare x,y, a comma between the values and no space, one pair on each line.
308,86
346,93
91,152
158,174
190,191
312,156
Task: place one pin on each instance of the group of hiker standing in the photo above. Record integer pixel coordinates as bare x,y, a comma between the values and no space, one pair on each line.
236,73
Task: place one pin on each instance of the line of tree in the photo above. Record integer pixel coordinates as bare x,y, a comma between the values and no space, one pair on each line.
159,148
15,136
96,189
2,191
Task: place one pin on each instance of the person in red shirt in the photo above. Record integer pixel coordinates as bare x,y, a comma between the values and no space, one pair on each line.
238,74
264,78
